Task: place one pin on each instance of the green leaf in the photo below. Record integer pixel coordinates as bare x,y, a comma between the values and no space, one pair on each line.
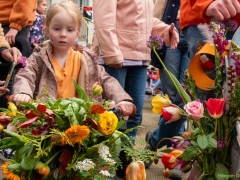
81,93
62,124
14,167
28,163
120,123
194,143
189,153
212,143
202,141
30,106
210,135
167,150
221,172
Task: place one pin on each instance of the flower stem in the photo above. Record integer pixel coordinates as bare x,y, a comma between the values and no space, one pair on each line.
163,139
215,129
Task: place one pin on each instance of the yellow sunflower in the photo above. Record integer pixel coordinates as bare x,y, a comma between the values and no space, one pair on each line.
108,122
77,133
8,173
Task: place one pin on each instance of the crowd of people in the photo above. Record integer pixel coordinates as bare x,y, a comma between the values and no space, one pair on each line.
118,59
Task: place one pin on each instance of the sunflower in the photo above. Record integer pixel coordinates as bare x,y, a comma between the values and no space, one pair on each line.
77,133
8,173
108,122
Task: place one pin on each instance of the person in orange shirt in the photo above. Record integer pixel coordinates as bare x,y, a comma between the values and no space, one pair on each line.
194,12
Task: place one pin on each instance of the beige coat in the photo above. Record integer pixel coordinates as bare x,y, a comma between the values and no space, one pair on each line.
122,28
39,74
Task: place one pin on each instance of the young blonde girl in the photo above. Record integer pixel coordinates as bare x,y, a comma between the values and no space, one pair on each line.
55,64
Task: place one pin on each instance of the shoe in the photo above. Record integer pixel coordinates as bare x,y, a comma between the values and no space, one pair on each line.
149,147
176,174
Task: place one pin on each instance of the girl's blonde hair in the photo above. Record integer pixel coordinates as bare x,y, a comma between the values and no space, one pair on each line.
68,7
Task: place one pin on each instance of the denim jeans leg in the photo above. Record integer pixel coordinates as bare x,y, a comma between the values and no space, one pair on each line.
135,86
192,35
119,74
177,62
133,80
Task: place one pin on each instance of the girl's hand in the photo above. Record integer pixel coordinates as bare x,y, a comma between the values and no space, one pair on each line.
20,98
3,90
127,108
174,36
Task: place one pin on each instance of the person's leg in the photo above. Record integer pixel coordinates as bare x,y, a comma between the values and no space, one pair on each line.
192,36
135,87
119,74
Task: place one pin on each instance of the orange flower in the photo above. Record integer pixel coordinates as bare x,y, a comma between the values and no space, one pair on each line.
77,133
8,173
108,122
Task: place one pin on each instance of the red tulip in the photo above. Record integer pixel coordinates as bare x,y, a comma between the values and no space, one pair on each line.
169,161
215,107
171,113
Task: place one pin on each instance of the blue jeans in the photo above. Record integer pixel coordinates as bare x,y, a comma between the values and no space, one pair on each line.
133,81
177,62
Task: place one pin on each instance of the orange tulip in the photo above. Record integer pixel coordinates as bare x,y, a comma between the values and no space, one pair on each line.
42,168
136,171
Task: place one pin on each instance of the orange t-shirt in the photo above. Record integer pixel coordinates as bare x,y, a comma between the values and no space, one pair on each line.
65,75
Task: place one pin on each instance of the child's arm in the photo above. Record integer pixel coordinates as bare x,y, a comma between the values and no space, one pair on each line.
112,90
25,80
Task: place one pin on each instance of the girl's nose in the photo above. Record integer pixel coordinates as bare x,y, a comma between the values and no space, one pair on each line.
63,33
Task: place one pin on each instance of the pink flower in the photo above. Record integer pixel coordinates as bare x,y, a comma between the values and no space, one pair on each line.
171,113
215,107
23,61
194,109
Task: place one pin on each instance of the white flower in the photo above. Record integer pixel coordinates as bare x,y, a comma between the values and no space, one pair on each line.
85,165
104,153
105,173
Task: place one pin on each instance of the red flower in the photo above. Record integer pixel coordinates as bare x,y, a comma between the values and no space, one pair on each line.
171,113
215,107
169,161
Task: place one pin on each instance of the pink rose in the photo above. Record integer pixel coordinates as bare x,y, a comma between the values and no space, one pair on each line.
194,109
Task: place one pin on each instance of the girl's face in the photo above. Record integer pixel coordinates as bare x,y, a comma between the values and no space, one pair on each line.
42,7
62,31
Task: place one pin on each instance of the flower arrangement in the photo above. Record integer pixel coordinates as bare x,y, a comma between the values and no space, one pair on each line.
206,146
73,138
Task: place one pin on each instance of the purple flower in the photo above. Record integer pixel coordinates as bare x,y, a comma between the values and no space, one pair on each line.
177,141
23,61
230,25
220,144
155,42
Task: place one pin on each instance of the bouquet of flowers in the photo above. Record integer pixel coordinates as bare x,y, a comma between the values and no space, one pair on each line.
73,138
206,146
